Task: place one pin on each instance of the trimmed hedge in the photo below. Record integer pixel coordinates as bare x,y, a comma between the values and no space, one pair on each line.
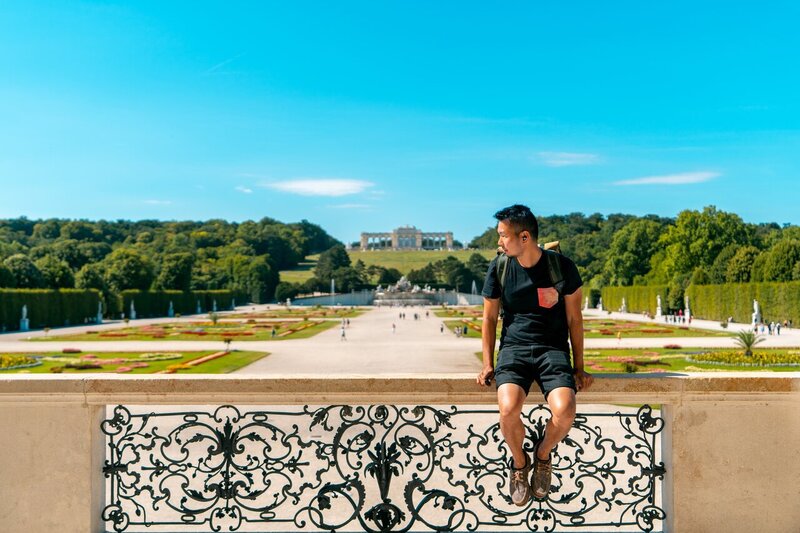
778,301
47,308
639,298
149,304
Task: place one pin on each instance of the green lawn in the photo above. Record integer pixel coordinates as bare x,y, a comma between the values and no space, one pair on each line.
302,272
110,362
204,331
660,360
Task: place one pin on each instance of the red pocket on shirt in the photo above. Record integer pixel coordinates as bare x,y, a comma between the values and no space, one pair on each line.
548,297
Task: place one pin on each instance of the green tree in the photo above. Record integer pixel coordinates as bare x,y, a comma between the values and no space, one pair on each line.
80,230
56,273
478,265
26,274
717,272
780,261
346,278
6,277
329,261
285,290
91,276
176,272
127,269
740,265
631,250
697,238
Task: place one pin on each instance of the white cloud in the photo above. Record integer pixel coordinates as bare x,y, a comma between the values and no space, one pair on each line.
321,187
158,202
566,159
671,179
244,190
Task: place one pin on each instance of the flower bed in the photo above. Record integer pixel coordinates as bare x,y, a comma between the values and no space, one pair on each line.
15,362
739,359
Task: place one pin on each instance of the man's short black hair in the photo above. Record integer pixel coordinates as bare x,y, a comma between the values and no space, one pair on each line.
520,218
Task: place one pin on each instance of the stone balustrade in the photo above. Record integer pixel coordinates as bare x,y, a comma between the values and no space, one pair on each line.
729,442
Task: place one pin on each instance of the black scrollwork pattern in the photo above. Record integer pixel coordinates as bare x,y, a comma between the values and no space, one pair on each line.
373,468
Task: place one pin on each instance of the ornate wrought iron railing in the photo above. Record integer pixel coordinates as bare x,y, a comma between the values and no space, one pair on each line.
372,468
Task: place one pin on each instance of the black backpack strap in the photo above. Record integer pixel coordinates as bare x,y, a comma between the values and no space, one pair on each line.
554,267
501,267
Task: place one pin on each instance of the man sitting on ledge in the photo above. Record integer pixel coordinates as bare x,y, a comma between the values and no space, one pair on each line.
540,293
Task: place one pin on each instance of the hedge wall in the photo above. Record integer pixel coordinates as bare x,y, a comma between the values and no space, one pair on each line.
639,298
150,304
778,301
47,308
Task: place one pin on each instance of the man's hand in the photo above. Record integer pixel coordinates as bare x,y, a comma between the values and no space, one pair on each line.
484,379
583,380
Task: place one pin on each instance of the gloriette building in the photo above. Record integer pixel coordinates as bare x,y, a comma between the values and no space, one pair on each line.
407,238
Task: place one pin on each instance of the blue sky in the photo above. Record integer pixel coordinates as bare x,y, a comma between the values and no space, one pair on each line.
364,116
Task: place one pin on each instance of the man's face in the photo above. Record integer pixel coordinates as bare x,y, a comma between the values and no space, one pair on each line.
509,240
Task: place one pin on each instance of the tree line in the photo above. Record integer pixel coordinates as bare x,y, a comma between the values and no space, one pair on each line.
335,264
704,247
113,256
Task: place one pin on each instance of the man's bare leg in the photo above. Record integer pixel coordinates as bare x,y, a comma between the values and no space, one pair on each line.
562,406
510,399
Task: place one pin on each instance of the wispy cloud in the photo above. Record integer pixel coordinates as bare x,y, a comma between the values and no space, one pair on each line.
244,190
567,159
671,179
321,187
221,64
158,202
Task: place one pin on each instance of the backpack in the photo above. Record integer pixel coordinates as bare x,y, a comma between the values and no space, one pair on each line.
551,251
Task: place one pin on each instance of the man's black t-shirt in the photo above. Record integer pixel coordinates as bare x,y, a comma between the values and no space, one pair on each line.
533,312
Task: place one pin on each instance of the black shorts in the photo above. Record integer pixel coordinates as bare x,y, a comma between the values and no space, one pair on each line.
522,365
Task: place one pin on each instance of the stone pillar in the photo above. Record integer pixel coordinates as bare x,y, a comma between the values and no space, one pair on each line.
418,240
364,241
395,241
448,237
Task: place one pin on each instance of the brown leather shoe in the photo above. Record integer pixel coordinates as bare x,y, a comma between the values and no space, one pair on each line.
518,485
542,474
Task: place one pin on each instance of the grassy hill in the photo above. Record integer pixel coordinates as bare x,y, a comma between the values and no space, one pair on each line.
402,260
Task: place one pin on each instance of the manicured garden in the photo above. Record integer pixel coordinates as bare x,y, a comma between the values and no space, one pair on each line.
75,361
593,328
304,313
677,359
222,330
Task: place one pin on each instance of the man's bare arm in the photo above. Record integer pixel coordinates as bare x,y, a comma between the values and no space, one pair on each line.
583,380
491,312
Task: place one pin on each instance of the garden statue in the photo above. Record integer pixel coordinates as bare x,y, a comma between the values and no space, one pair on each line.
687,312
99,319
214,306
24,322
756,313
600,304
586,304
171,310
624,308
199,309
133,311
659,312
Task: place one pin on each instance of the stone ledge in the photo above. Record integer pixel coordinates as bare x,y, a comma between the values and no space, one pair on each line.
401,388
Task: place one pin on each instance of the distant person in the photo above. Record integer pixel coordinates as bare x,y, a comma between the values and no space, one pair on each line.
394,328
344,334
273,332
541,298
441,328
